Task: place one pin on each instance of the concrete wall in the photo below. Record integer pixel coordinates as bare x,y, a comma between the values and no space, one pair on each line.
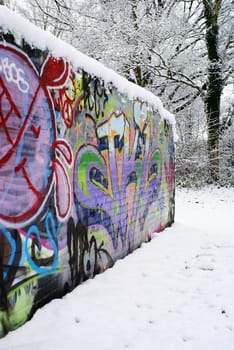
86,175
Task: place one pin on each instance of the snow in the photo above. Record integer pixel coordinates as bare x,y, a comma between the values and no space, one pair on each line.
227,98
12,21
173,293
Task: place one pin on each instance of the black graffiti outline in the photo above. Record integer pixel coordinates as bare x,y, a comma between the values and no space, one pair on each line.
79,245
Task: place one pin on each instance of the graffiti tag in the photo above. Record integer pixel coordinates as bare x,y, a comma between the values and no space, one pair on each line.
14,74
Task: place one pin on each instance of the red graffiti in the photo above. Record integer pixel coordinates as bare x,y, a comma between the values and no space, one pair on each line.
66,101
29,162
170,175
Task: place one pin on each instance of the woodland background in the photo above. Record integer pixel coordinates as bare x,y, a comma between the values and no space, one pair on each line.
181,50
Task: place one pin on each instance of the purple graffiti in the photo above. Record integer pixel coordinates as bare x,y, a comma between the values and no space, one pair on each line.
28,144
119,177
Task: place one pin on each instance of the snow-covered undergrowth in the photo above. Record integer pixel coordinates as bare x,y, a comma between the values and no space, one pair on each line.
173,293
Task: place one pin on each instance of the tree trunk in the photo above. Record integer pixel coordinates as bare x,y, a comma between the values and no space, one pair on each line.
1,2
142,77
214,85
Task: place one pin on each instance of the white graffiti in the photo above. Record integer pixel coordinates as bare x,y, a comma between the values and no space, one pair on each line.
13,74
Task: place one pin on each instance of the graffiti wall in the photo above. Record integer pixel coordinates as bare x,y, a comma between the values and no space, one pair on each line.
86,175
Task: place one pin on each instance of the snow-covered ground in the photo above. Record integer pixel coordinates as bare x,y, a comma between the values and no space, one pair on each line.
175,293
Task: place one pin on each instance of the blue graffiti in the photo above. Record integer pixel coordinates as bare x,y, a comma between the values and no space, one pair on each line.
47,265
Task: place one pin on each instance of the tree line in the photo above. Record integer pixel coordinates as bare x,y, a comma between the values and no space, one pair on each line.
181,50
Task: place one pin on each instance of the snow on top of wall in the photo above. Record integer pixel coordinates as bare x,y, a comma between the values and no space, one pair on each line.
11,21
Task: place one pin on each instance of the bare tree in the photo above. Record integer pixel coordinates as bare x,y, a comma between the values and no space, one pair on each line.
214,83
